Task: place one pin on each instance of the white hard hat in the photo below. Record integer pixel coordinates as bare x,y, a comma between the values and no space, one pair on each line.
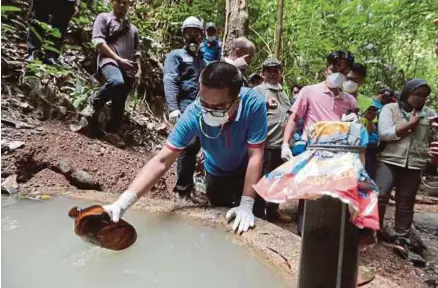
193,22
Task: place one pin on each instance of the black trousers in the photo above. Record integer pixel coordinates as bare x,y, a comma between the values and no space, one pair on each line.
56,13
227,191
272,160
371,160
407,181
185,167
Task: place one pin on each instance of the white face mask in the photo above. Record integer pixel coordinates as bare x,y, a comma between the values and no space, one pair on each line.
211,38
335,80
349,86
214,121
240,63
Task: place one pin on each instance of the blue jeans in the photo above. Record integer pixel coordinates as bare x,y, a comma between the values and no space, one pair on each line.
116,89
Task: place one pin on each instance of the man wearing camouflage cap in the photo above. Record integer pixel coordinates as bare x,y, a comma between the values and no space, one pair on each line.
278,105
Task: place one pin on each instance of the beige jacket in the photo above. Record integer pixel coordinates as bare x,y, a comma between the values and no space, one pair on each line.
410,150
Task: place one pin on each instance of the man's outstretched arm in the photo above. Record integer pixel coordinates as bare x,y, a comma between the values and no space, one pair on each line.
153,171
143,182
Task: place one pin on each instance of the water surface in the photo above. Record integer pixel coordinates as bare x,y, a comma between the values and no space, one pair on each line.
40,249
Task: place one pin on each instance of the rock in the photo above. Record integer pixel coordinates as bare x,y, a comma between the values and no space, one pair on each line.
150,126
427,222
7,145
365,275
25,106
15,145
64,166
82,179
10,185
432,282
417,260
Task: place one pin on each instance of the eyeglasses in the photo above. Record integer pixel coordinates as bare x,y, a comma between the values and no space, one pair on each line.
217,113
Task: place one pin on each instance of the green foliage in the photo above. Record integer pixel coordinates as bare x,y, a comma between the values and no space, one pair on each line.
6,9
41,70
8,27
170,16
81,94
394,38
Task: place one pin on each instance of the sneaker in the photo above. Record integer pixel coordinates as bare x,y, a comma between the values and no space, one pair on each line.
280,217
385,235
401,248
88,111
192,196
198,198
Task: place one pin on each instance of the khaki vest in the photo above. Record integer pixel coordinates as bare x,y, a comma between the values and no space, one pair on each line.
411,150
277,118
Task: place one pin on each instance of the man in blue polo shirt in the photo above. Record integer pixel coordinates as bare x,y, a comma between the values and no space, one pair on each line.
231,124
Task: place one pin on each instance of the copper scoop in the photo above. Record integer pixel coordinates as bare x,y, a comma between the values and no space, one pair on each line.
94,225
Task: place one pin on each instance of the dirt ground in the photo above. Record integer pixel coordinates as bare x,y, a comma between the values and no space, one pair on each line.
112,169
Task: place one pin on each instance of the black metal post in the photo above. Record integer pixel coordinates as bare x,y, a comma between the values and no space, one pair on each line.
329,247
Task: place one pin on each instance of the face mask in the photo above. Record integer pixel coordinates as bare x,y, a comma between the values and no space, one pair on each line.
335,80
192,44
349,86
214,121
240,63
193,47
211,38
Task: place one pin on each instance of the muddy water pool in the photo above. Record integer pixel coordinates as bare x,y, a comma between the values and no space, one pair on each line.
40,249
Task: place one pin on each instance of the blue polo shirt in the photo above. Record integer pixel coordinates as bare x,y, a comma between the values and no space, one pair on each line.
226,155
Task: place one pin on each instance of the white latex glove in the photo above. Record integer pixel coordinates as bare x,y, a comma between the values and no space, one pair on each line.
174,115
286,153
118,208
352,117
243,214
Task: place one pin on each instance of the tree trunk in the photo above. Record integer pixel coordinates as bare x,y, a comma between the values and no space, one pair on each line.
236,22
279,29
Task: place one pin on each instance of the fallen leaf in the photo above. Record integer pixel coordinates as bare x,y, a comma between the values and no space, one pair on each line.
45,197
